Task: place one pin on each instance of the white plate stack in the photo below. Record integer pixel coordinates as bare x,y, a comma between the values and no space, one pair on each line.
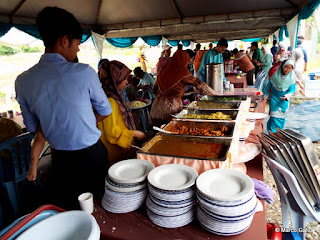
126,186
227,201
172,199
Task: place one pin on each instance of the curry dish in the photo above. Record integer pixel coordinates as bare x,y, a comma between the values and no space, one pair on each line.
189,149
181,129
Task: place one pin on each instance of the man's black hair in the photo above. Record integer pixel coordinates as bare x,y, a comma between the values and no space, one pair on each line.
301,37
180,46
255,44
137,71
191,53
235,51
54,22
275,42
223,42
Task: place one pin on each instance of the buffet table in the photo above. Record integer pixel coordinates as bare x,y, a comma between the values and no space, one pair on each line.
136,225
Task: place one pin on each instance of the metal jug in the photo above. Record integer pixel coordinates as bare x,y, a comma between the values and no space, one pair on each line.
214,76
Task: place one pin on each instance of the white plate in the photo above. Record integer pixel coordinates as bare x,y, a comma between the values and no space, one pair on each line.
136,108
225,184
130,171
254,115
248,152
172,177
124,189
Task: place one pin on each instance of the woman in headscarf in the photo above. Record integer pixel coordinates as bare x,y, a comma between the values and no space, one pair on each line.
283,86
118,129
279,57
170,87
266,60
165,55
197,62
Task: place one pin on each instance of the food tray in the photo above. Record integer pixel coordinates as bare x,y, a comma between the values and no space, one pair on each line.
309,158
233,113
200,125
228,98
205,105
187,148
287,154
147,104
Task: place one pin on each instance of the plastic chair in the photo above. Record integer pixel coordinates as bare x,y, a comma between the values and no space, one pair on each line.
20,149
292,198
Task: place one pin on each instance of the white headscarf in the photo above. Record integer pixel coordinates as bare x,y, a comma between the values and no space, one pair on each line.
267,51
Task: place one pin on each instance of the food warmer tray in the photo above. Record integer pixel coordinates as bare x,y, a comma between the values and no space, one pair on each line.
192,124
218,105
309,158
293,167
233,113
175,142
234,98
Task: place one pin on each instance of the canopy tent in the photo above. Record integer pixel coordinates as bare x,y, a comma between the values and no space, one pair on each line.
122,21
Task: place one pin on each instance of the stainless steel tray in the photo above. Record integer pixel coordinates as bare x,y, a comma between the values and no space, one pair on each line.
272,150
217,105
303,182
228,98
185,141
309,158
200,125
181,115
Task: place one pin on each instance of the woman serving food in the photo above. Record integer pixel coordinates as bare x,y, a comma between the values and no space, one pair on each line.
118,129
170,87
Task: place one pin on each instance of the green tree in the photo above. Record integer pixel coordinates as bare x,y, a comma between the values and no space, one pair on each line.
5,50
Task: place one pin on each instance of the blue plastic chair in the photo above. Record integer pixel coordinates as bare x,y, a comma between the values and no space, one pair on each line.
292,198
20,150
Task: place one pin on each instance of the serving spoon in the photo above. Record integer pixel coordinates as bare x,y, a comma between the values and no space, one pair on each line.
161,130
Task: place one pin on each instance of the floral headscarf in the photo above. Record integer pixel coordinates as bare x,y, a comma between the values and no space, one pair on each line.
111,75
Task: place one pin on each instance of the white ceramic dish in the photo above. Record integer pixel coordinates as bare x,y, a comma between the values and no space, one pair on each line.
248,152
64,226
225,184
125,189
172,177
130,171
255,115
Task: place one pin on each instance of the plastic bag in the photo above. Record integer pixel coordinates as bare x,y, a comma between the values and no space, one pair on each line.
261,81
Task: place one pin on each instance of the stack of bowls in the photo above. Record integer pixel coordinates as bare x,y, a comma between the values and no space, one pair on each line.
227,201
172,199
126,186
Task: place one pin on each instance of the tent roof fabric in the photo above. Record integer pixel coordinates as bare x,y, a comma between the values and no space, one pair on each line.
199,21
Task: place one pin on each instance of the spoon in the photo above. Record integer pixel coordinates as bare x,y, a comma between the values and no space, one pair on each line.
160,130
137,148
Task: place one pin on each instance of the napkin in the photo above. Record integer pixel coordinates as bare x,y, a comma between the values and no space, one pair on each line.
263,191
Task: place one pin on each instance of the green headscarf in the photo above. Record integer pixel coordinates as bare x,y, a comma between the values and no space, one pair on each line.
281,81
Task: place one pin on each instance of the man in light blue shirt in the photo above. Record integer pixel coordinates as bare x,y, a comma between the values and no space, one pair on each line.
57,98
213,56
146,82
